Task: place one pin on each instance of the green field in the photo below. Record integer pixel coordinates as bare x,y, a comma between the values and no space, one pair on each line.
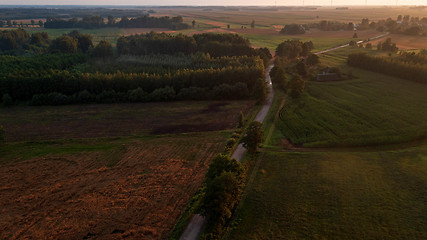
336,195
372,109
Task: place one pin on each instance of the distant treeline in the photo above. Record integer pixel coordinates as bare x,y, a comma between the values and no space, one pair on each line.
402,25
144,21
389,66
68,12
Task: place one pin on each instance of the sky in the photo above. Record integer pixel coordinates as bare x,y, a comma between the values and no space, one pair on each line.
212,2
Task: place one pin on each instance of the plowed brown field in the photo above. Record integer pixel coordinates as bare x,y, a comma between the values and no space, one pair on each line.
135,188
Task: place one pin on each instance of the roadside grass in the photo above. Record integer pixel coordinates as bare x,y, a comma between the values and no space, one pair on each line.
336,195
372,109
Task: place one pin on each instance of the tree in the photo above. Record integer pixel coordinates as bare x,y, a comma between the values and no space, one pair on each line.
253,24
278,77
40,23
368,46
301,68
224,186
296,85
293,29
65,44
241,120
312,59
254,137
228,26
2,133
193,23
355,35
111,20
103,50
7,100
33,22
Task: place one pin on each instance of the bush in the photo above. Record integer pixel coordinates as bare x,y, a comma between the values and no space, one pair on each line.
231,142
7,100
163,94
107,96
137,95
84,97
193,93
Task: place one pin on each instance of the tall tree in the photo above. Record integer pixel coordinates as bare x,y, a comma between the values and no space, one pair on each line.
254,137
253,24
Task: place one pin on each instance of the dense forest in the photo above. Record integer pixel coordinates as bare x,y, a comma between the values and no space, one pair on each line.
70,69
403,66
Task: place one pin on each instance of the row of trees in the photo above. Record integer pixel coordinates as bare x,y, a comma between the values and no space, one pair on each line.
389,66
225,182
93,22
23,86
217,45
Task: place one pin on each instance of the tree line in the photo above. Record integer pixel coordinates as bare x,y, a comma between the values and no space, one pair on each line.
389,66
93,22
216,45
202,83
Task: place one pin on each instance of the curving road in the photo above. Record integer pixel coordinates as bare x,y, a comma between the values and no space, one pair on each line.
194,228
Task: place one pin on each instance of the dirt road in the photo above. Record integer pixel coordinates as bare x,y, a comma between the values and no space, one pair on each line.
346,45
194,228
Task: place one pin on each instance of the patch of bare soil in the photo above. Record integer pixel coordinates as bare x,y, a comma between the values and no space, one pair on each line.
77,197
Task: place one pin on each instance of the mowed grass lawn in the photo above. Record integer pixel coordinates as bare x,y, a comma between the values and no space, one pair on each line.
372,109
337,195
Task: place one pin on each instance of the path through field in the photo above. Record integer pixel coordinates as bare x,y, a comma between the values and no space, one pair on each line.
194,228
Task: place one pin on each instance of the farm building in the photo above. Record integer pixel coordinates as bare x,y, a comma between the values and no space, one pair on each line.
326,75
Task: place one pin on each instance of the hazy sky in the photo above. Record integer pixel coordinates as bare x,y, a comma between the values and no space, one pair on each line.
211,2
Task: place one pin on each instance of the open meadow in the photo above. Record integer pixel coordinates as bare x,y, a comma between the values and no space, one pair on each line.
336,195
103,171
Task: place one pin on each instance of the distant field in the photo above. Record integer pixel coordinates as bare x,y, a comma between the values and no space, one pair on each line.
336,195
242,15
107,171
